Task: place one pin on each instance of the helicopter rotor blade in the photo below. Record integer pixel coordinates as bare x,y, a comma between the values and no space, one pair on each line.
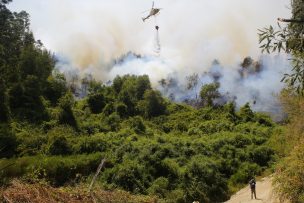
152,4
145,11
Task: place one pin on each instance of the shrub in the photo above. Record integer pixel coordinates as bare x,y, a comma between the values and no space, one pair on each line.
246,114
209,93
159,187
8,142
137,124
203,181
213,126
130,176
114,121
122,109
289,175
30,141
66,115
152,104
108,109
261,155
92,144
246,172
96,102
175,196
57,140
58,145
55,169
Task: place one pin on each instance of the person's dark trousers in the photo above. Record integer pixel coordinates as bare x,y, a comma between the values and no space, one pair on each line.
253,192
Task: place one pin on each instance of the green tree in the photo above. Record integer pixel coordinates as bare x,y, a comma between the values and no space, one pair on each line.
142,84
96,102
246,113
152,105
230,111
55,88
66,115
24,68
192,83
4,2
131,90
117,84
209,92
95,86
4,108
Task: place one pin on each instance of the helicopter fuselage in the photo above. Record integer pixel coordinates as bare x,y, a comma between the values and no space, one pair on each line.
153,12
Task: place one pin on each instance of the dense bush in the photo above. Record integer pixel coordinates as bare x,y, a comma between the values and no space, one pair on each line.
58,145
159,187
151,145
66,115
289,175
193,154
130,175
203,182
96,102
8,142
56,169
137,124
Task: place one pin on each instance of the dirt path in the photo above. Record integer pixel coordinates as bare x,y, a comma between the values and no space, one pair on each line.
264,193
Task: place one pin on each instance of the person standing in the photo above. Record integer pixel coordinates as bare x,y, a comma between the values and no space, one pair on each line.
252,184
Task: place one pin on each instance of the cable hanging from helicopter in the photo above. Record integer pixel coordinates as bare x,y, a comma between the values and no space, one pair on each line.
154,12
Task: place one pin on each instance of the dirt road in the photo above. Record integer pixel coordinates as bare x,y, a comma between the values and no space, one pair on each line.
264,193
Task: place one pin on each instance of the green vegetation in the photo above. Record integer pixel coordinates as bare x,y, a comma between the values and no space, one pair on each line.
209,92
186,153
288,143
152,146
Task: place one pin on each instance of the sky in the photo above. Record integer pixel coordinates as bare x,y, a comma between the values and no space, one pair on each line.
88,35
93,32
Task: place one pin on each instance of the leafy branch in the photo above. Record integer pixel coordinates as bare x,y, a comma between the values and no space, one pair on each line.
291,41
272,40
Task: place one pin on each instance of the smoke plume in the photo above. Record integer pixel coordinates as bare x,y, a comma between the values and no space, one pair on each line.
89,35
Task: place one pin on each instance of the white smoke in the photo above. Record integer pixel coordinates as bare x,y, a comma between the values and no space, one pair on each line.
91,34
193,32
260,89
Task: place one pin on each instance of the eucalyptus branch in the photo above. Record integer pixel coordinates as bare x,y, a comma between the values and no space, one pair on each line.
291,20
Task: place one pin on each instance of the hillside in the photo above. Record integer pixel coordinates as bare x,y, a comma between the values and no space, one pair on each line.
53,137
207,149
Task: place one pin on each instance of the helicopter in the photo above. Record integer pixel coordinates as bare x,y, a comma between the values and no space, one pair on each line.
153,12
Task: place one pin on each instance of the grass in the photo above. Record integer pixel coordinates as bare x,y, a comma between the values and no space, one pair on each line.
19,191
